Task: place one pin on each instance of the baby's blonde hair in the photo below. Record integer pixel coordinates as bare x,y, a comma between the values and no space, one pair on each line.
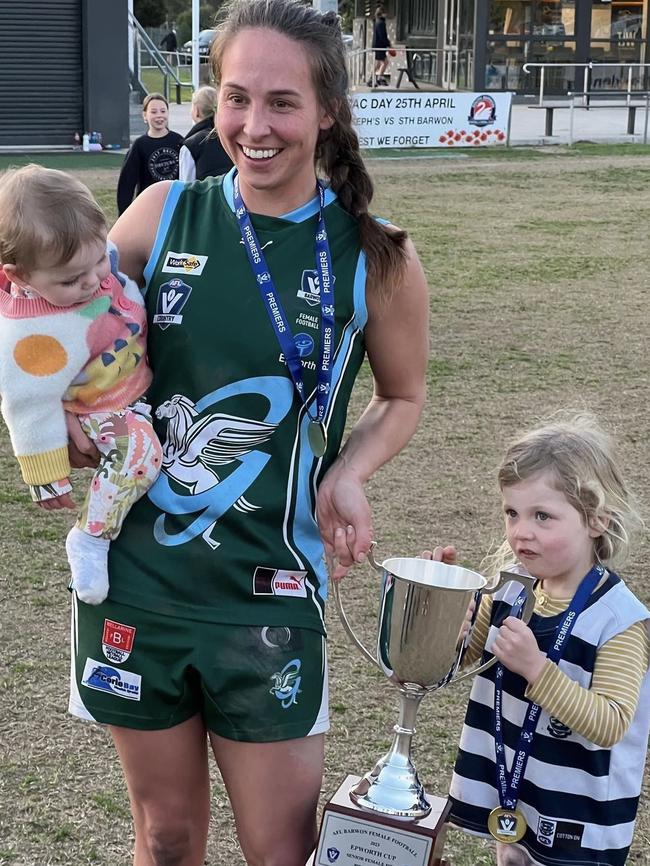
45,217
580,456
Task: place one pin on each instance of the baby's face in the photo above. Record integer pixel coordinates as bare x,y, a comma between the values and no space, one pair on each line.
75,281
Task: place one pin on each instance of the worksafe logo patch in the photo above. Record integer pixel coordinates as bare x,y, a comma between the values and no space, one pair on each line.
183,263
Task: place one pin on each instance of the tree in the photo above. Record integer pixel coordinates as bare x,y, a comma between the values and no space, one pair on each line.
150,13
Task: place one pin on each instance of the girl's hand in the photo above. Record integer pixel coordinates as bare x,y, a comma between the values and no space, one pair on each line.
344,519
57,502
467,622
515,646
82,452
448,554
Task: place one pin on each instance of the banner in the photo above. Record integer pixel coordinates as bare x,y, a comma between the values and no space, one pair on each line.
431,119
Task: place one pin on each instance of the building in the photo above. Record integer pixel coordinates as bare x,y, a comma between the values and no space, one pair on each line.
64,71
483,44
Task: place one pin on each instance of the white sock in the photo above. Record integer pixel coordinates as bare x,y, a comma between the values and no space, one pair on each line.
88,558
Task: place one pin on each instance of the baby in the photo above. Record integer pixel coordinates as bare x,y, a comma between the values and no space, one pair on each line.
72,339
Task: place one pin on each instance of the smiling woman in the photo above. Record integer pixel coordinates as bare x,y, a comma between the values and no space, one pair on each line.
266,288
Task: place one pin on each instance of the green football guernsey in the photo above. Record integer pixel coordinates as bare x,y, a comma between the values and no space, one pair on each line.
228,532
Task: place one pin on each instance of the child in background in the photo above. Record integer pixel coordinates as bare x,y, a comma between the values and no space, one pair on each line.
72,338
568,697
153,156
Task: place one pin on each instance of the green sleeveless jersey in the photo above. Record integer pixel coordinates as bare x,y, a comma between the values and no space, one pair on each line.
228,532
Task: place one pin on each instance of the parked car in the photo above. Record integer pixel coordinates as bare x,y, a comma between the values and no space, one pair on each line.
206,38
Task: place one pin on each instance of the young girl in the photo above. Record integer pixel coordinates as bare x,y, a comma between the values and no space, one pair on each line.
153,156
568,697
72,337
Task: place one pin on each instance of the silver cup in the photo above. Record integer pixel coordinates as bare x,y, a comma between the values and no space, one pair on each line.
423,607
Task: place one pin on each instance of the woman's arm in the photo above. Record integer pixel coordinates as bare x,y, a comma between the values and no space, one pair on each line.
397,336
134,232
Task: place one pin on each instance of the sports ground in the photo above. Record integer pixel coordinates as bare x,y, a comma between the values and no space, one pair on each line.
537,262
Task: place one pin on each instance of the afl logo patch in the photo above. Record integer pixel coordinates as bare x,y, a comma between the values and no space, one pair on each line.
183,263
172,297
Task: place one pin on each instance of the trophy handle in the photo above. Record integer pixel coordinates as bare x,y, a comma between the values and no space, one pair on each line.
529,606
346,624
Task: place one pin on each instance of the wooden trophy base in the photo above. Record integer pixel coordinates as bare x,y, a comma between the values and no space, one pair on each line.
350,836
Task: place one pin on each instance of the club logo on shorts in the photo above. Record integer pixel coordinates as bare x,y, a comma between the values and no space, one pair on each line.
104,678
117,641
183,263
278,581
286,684
172,297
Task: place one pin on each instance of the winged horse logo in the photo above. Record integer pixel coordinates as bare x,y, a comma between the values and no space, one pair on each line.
196,448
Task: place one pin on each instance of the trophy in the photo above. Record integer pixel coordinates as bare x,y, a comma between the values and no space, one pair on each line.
385,816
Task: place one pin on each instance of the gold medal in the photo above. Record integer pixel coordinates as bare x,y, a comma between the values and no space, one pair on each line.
506,825
317,438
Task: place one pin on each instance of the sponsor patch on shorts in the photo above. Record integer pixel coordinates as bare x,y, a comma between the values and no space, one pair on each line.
279,581
104,678
117,641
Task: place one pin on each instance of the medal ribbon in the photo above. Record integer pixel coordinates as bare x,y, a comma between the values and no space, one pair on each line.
276,312
509,787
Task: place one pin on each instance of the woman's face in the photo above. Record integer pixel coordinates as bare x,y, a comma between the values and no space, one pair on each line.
269,119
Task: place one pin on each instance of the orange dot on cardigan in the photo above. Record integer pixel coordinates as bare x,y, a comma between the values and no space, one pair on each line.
40,355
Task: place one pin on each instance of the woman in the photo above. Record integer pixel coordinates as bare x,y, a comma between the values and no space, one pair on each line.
202,155
258,328
381,44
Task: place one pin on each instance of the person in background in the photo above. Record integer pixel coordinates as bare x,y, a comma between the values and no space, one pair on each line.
153,156
381,43
202,154
169,43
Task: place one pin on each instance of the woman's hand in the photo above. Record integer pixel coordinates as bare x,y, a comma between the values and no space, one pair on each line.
344,519
515,647
82,452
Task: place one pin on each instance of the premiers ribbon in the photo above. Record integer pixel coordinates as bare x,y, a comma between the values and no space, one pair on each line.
506,823
317,432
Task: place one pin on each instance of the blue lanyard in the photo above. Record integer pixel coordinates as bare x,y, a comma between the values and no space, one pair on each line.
509,787
276,312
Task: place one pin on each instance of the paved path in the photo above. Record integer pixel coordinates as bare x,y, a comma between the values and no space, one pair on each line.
602,125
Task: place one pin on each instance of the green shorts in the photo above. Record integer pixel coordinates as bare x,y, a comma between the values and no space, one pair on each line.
137,669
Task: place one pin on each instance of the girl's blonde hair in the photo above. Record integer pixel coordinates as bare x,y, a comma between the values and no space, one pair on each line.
205,100
45,217
581,458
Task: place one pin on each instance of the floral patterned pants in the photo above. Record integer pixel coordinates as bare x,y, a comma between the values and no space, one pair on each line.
130,463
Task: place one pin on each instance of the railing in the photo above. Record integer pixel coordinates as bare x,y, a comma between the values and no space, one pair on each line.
144,45
582,94
587,76
436,66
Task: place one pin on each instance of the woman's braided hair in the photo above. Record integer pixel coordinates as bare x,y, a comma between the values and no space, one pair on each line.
337,152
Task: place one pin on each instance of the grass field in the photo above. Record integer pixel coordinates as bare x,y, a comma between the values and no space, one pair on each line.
538,271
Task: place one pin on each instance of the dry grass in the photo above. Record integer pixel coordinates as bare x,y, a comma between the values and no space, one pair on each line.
539,290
